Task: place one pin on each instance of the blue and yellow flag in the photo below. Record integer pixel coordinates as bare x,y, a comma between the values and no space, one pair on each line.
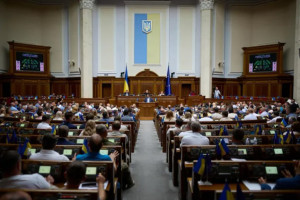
226,193
200,165
221,148
278,138
223,131
258,129
238,123
53,130
126,82
289,138
24,149
85,147
147,38
284,123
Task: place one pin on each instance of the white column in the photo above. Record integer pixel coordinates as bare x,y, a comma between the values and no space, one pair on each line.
86,45
297,54
206,7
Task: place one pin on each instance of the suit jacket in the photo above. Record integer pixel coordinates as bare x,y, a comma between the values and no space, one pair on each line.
126,94
150,99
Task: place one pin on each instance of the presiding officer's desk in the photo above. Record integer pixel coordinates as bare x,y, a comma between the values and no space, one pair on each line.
146,109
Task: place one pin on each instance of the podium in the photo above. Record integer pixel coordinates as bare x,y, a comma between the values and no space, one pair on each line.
146,110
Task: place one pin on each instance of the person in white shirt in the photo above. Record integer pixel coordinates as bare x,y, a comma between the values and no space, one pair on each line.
45,122
177,128
205,118
10,164
225,116
216,115
217,93
264,113
195,138
231,114
47,152
251,115
276,116
186,130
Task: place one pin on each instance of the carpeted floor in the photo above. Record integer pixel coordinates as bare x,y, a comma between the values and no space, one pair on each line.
149,169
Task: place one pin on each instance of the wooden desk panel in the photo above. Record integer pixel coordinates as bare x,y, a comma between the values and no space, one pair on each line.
146,110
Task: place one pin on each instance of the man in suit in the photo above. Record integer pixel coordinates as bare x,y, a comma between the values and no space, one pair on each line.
147,93
148,99
126,93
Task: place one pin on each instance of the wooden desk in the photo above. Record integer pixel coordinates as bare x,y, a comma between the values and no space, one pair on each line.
146,110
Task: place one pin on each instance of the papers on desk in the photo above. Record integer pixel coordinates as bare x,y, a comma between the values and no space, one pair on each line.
238,159
255,185
90,185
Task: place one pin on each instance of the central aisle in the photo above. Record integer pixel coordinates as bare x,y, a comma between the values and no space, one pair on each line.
149,168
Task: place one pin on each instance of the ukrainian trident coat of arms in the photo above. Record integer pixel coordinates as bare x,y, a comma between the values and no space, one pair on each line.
146,26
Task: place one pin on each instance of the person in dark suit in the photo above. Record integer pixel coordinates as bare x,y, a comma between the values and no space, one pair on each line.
126,93
148,99
287,183
146,93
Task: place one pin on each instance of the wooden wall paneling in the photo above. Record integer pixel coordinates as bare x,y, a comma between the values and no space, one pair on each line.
261,90
118,88
274,89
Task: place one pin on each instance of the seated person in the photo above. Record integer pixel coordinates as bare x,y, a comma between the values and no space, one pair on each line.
195,138
205,117
126,93
94,145
250,115
186,130
225,116
75,175
237,137
126,117
90,128
148,99
47,152
88,117
161,93
177,128
102,131
58,116
105,117
116,125
63,131
275,117
146,93
216,115
45,123
287,183
123,127
68,120
169,116
11,167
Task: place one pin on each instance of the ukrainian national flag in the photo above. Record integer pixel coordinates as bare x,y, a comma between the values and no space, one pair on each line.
284,123
25,149
221,148
53,130
85,147
289,137
200,165
226,194
238,123
147,38
126,82
223,131
258,129
278,138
